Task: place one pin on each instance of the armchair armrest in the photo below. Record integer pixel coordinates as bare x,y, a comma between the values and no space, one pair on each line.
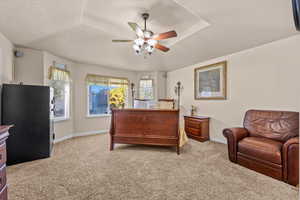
290,154
234,135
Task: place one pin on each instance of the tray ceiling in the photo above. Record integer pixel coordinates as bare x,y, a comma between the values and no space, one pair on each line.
82,30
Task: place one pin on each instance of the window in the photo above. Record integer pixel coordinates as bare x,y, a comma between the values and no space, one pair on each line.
146,89
61,99
60,82
104,93
98,99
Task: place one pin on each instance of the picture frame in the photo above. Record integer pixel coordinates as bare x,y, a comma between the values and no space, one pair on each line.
210,82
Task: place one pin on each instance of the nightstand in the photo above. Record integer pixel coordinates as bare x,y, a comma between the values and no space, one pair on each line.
197,127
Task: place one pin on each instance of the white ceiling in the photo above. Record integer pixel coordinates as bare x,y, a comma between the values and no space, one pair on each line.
82,30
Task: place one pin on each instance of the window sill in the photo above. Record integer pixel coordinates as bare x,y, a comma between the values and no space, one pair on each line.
60,119
100,115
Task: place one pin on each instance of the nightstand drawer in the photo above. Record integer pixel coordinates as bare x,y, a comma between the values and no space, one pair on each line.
192,131
192,124
197,127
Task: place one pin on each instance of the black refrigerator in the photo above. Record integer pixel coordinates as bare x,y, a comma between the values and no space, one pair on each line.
30,109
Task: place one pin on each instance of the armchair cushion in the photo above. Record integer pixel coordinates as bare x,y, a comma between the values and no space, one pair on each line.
261,148
276,125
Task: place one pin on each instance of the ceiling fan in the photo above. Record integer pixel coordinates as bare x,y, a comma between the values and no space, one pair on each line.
146,40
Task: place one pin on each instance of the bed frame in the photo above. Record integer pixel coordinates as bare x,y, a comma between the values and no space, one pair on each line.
145,126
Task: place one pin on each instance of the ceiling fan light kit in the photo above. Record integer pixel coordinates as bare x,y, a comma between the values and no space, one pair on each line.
141,45
146,41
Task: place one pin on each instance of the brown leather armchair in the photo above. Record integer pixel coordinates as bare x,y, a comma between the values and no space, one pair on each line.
268,143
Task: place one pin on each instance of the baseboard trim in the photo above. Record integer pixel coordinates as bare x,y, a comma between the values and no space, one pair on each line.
79,135
62,138
218,140
90,133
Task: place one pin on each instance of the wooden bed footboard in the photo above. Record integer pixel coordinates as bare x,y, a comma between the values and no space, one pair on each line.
145,126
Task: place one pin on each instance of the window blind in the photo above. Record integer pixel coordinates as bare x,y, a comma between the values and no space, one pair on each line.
57,74
106,80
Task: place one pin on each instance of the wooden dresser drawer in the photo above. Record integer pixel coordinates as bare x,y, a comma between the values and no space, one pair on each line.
2,154
197,127
193,131
2,177
3,186
3,194
192,123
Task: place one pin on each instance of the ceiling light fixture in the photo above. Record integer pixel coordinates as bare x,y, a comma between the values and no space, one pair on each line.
146,41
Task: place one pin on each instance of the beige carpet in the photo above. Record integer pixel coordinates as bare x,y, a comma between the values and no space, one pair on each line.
84,169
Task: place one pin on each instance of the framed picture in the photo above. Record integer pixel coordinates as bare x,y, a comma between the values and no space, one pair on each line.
210,81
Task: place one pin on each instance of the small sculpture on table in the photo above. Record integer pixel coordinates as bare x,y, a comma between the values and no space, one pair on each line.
193,110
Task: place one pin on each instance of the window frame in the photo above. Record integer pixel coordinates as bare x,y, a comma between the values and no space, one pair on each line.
153,95
67,90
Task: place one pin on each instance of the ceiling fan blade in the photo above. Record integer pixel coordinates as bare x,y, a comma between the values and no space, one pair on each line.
121,40
165,35
161,47
135,27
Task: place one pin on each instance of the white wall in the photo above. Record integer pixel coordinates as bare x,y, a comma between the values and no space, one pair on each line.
91,124
265,77
161,85
29,68
6,60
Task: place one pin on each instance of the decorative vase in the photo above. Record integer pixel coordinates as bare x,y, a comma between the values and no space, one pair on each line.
193,110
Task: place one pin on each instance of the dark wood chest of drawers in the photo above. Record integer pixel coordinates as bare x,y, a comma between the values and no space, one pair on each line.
197,127
3,186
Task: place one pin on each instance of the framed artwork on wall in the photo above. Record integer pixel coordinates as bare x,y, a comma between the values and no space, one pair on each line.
210,82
